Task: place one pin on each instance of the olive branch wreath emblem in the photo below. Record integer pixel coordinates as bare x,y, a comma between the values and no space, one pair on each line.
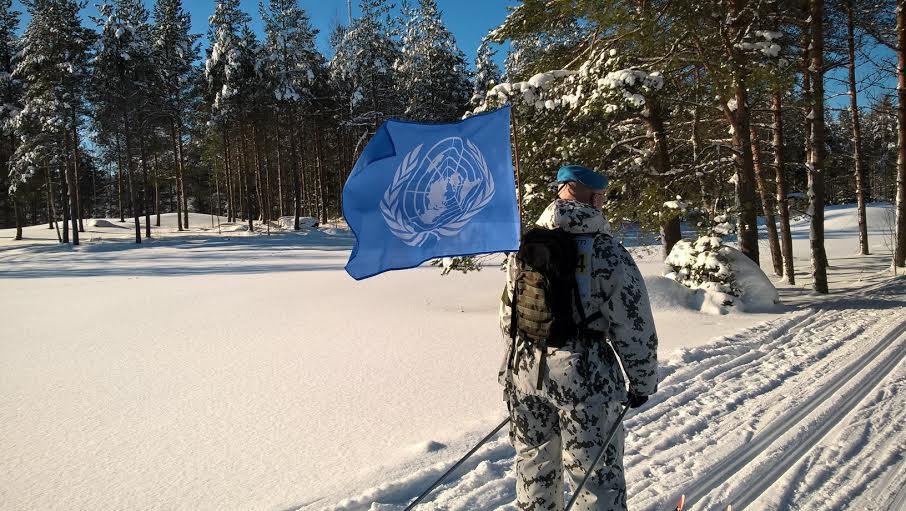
392,212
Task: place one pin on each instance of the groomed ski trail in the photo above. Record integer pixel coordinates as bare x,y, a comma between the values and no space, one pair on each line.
744,421
868,371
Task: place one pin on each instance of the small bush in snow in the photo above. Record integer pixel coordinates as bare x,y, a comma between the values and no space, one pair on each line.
700,264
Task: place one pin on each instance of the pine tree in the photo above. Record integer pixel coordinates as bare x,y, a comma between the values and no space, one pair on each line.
487,72
291,62
818,153
123,89
899,254
220,71
364,58
13,182
174,53
53,62
433,77
223,67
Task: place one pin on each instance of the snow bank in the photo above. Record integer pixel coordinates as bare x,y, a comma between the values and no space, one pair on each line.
667,294
103,222
757,292
233,227
305,222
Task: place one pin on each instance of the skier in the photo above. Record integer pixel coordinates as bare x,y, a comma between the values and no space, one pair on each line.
565,396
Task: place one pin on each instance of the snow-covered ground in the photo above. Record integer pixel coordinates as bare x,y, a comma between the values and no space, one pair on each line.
218,369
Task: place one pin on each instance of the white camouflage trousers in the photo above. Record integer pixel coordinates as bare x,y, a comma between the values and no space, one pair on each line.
552,441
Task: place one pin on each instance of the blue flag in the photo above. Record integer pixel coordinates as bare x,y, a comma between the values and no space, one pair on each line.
423,191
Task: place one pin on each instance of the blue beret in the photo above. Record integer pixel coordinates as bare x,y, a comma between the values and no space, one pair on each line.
582,175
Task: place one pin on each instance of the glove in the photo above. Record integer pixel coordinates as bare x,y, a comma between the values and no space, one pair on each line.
636,400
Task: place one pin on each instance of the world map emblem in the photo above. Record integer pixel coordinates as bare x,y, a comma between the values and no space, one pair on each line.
437,193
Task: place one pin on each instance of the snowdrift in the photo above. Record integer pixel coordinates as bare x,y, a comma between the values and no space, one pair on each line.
305,222
103,222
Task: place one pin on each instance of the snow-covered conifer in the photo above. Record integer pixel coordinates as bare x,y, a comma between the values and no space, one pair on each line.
123,92
487,72
433,77
12,178
174,52
364,60
290,65
52,62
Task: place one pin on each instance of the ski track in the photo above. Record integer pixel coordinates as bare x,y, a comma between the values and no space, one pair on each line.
803,412
878,419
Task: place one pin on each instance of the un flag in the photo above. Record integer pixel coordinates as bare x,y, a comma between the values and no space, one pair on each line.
422,191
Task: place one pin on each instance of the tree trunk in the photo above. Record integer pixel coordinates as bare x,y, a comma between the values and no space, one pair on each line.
129,165
182,175
52,211
64,200
244,176
322,200
859,166
303,172
297,183
670,229
94,195
145,186
786,238
66,189
17,212
256,149
75,170
767,204
807,87
267,180
745,177
816,169
240,173
49,187
73,195
227,175
119,178
219,198
279,142
899,258
119,190
156,174
177,157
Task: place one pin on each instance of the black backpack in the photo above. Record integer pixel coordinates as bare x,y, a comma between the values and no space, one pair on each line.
545,292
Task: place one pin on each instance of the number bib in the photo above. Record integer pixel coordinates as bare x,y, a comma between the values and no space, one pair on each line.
584,246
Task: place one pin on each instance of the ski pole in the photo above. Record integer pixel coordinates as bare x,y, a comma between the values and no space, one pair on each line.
458,463
600,455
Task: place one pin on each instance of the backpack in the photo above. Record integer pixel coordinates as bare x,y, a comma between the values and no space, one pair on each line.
545,292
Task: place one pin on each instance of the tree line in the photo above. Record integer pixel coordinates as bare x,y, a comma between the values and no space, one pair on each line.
710,111
130,118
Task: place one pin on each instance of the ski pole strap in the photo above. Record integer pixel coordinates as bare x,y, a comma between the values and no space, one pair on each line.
542,362
600,455
458,463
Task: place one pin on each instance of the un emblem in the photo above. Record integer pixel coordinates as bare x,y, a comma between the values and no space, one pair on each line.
439,193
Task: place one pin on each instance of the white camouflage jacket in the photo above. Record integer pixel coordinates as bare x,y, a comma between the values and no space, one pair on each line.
610,283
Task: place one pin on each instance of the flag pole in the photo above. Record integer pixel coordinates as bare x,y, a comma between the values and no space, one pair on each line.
514,127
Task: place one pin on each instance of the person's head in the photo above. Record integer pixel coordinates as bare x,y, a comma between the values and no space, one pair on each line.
581,184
